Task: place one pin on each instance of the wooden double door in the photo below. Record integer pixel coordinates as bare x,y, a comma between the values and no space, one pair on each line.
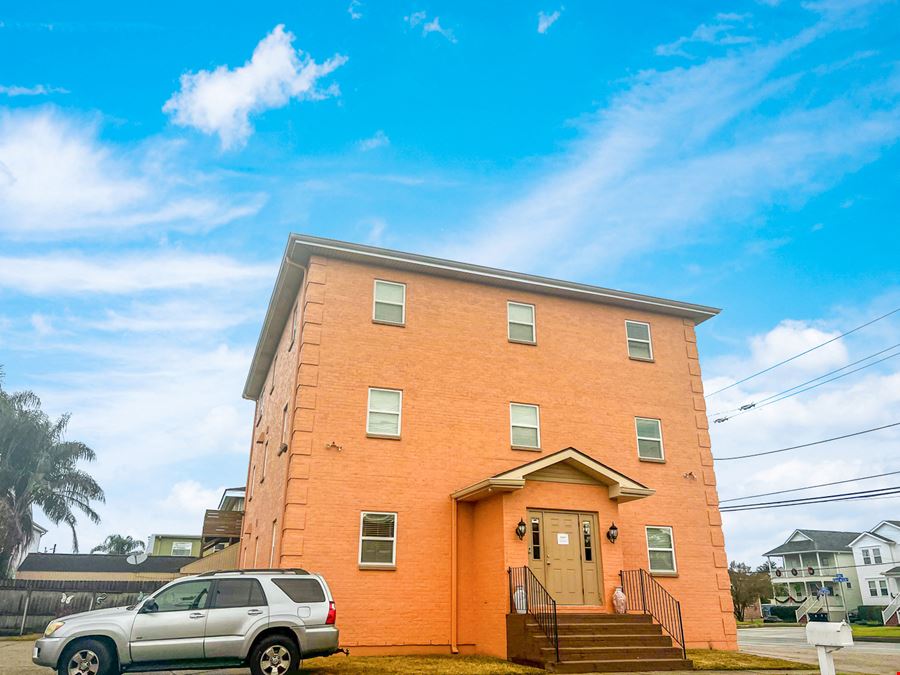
564,554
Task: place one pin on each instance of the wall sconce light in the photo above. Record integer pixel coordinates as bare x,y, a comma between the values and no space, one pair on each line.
612,533
521,529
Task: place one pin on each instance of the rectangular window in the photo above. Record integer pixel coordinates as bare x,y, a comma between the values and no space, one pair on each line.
272,380
252,481
260,406
882,584
639,344
182,548
535,538
525,425
520,318
265,460
383,416
284,425
588,541
272,552
232,593
649,438
876,555
377,539
867,558
661,549
389,304
873,589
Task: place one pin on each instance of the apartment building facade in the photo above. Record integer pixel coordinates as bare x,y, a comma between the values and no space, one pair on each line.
423,425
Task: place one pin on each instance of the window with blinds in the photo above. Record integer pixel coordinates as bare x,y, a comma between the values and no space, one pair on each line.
649,438
525,425
520,320
389,305
377,539
639,343
383,416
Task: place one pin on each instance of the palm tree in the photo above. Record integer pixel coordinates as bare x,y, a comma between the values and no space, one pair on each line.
119,545
38,467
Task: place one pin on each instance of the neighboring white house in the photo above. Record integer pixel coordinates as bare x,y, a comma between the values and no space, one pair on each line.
34,547
876,554
810,560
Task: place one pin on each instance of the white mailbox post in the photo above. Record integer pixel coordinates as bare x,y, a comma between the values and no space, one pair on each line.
828,637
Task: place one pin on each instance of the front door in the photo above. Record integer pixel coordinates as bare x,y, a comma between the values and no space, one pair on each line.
174,630
564,556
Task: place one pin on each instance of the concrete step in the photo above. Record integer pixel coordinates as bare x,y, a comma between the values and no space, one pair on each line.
619,666
593,640
585,627
612,653
599,617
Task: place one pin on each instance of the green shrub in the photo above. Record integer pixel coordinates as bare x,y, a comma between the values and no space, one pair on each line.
870,615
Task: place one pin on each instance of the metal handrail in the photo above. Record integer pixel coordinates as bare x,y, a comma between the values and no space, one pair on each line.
645,594
527,594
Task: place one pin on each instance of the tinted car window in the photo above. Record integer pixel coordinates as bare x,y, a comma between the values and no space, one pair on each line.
189,595
301,590
238,593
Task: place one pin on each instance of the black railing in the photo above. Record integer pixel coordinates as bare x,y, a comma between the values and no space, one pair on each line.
527,594
645,594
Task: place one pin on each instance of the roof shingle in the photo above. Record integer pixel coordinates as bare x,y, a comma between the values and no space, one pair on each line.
821,540
93,562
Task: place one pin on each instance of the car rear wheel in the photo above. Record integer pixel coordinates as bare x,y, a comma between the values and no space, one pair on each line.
275,655
87,657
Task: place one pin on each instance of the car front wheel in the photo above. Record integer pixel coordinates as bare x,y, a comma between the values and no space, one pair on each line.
275,655
87,657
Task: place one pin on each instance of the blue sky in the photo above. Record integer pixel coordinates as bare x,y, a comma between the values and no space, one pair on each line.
153,160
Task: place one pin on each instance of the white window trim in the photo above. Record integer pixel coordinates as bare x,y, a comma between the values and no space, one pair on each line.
284,425
674,569
399,413
533,324
274,367
190,549
272,552
252,481
525,426
873,588
662,447
402,305
393,540
648,341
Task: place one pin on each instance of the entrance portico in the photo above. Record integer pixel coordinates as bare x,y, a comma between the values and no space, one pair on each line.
566,501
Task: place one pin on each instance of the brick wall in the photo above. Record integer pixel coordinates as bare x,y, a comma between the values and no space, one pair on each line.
458,373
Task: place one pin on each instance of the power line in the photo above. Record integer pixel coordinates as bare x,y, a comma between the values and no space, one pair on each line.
750,408
842,497
754,404
811,349
809,487
806,445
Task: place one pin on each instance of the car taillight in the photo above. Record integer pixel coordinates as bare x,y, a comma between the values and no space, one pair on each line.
332,614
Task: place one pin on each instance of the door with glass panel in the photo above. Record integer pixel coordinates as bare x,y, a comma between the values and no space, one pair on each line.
564,556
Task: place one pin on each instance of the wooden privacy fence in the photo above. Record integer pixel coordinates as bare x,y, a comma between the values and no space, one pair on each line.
28,605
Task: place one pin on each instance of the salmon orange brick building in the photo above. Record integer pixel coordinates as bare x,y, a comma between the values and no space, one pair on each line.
477,458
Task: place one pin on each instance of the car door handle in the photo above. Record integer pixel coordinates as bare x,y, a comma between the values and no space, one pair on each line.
196,615
254,612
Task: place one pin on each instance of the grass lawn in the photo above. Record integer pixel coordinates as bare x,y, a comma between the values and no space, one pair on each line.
387,665
758,623
710,659
876,631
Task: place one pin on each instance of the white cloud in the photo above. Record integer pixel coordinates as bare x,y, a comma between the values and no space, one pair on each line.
433,26
68,274
547,20
42,324
37,90
862,401
683,151
355,10
200,316
379,140
221,101
720,33
190,498
58,178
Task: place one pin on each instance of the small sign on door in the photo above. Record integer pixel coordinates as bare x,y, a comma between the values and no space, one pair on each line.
562,538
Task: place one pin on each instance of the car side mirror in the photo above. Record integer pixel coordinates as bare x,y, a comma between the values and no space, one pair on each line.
149,606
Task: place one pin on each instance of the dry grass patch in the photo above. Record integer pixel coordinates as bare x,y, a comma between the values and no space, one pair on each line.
711,659
426,665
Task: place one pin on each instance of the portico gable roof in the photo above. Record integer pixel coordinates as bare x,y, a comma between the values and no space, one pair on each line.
621,487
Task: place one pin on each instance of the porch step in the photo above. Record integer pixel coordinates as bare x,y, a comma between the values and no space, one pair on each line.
603,617
619,666
605,628
628,640
642,653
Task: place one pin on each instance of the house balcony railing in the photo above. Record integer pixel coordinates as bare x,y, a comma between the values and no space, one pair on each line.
796,573
221,527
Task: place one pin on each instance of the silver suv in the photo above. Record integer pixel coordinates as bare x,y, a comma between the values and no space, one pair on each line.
264,619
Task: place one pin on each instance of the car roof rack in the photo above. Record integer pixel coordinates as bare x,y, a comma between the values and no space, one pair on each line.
270,570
